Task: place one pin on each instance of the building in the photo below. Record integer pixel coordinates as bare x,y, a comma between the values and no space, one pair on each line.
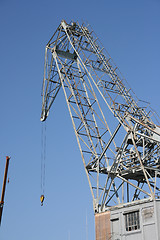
138,220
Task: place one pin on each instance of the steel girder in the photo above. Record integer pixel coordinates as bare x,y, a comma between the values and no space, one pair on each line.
119,139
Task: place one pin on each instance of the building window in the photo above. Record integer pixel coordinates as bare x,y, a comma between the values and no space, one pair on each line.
132,221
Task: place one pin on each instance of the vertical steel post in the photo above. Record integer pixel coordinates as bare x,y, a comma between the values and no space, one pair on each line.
127,192
4,187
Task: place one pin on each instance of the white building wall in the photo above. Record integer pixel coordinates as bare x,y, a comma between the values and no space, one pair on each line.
149,214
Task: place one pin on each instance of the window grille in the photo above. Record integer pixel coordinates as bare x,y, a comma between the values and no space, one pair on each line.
132,221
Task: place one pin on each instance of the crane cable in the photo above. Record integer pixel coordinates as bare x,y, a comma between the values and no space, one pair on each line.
43,161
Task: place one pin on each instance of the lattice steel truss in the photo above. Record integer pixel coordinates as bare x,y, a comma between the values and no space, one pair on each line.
117,134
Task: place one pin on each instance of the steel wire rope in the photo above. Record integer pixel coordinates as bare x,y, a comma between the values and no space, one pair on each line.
43,157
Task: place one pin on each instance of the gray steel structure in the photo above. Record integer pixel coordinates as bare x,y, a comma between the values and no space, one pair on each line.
117,134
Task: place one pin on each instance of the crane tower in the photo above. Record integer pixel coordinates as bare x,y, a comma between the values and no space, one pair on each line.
118,135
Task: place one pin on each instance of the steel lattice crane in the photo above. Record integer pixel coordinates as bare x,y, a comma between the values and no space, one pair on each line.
118,135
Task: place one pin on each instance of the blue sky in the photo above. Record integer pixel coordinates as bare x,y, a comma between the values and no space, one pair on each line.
130,31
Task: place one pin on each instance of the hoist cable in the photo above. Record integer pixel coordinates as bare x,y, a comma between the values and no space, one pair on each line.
43,156
44,165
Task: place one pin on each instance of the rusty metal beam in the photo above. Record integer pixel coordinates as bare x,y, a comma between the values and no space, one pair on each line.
4,187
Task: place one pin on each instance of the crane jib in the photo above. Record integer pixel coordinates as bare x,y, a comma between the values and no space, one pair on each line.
121,163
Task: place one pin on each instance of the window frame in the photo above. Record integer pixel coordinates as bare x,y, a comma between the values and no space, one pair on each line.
132,221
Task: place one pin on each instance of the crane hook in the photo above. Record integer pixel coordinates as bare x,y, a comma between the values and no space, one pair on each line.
42,199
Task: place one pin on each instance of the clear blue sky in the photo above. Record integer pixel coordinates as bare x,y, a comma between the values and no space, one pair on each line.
130,31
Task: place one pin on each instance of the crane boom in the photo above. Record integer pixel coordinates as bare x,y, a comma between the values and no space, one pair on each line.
4,187
118,138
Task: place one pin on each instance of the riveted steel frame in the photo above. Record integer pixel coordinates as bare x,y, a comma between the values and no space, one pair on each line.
117,137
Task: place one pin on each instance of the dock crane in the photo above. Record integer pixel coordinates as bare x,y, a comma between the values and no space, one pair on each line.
4,187
118,135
